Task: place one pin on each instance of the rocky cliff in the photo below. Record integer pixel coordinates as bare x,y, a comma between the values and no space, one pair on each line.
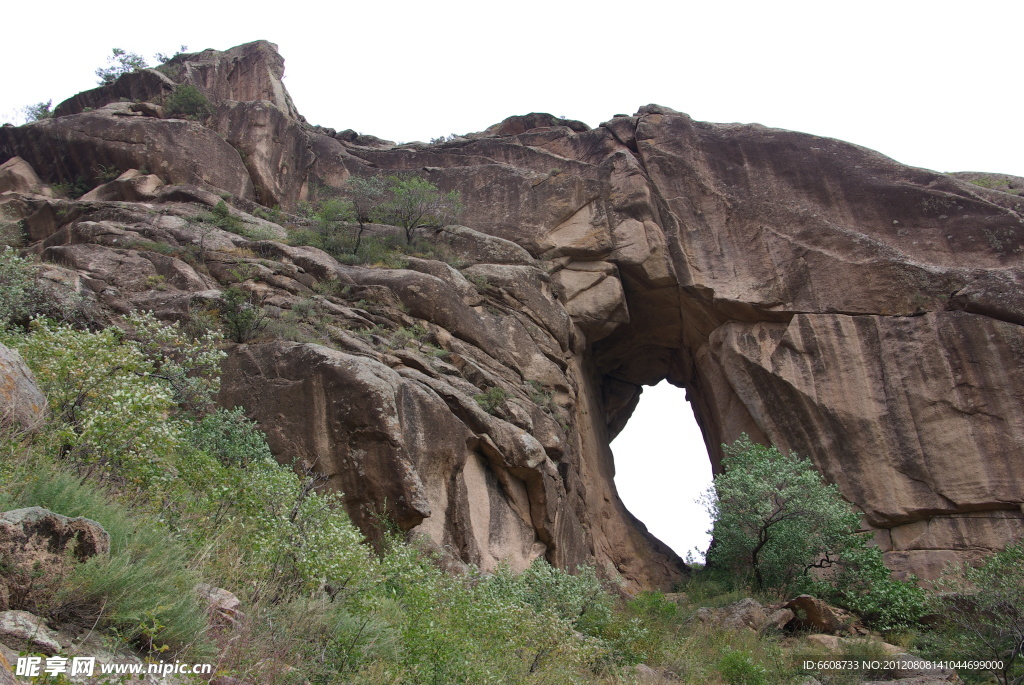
803,290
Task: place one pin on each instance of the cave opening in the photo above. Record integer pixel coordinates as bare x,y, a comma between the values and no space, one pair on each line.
662,468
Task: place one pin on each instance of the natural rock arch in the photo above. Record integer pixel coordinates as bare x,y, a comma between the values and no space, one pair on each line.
806,291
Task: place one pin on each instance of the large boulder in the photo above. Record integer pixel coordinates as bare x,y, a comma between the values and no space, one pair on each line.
83,148
22,404
38,547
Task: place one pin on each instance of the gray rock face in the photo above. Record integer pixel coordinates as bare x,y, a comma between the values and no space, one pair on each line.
22,404
805,291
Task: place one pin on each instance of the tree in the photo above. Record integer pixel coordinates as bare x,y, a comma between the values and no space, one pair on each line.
982,610
366,193
38,111
244,318
411,201
119,63
774,517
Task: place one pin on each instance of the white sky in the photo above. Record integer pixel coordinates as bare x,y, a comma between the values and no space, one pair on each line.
930,83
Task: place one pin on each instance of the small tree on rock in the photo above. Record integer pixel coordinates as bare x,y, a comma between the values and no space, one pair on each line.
366,193
412,201
120,62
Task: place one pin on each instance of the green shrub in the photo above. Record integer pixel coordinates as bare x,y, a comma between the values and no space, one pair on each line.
411,201
230,437
243,317
38,111
738,668
491,399
109,406
862,583
188,102
17,283
980,613
774,517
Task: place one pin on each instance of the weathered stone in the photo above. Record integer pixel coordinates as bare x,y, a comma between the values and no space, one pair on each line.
27,631
82,145
814,614
131,186
145,84
807,292
223,606
748,614
22,404
17,175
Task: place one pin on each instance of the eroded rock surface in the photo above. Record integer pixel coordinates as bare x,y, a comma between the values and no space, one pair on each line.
805,291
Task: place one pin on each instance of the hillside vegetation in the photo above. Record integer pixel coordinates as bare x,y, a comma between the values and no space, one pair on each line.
190,494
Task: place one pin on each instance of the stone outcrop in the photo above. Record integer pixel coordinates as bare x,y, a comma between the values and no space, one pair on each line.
808,292
38,547
22,404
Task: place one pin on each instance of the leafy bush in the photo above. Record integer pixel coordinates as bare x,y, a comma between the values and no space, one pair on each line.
863,584
981,613
411,201
243,317
188,102
111,409
774,517
17,282
230,437
491,399
119,63
738,668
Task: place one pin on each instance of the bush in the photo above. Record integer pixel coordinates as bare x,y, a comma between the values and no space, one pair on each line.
244,318
38,111
188,102
411,201
774,517
17,283
982,613
493,398
111,408
120,63
864,585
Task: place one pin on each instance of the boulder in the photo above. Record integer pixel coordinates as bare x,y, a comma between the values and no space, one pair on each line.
28,631
36,538
22,404
814,614
80,148
18,176
746,614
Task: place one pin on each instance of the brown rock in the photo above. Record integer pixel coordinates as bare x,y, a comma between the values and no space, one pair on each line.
131,186
17,175
813,614
222,605
146,84
746,614
808,292
80,146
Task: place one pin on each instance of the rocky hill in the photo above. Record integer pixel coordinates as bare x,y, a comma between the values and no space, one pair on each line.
805,291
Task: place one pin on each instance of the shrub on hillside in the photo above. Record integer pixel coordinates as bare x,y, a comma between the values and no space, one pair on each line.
188,102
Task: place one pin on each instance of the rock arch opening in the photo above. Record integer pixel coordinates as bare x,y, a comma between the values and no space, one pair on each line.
662,468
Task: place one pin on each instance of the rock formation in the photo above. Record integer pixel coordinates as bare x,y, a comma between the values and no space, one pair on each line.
811,293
